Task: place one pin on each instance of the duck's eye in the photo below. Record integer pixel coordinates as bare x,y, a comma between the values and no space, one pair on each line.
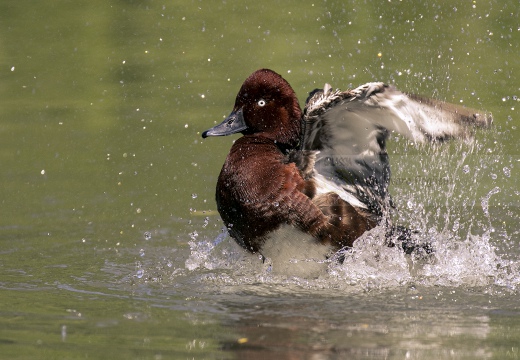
261,102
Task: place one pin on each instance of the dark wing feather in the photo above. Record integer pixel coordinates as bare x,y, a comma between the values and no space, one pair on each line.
350,129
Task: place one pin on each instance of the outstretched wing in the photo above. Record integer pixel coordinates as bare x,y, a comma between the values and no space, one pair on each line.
350,129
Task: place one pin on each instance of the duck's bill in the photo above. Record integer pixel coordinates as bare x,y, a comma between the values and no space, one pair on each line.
233,124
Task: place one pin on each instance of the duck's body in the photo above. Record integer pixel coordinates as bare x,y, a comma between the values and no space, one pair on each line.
259,189
323,172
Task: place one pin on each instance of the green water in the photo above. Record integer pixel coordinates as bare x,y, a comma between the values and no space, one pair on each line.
108,189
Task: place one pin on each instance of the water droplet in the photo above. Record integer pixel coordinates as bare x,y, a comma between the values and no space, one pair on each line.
194,235
206,222
456,225
147,235
193,196
507,171
410,204
465,169
493,176
276,203
139,274
141,252
485,200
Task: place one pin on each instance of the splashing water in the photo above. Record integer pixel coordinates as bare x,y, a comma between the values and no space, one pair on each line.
139,273
485,200
453,197
370,264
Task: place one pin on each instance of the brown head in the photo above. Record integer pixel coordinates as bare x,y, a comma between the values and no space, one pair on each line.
267,106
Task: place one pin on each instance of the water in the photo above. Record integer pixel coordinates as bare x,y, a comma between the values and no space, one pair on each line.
111,246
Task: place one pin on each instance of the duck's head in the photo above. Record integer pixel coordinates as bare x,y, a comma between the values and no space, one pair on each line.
266,105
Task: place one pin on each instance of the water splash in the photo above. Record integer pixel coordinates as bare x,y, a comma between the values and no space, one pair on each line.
194,235
139,273
369,265
451,203
485,200
209,254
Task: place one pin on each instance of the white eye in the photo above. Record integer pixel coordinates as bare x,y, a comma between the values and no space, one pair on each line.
261,102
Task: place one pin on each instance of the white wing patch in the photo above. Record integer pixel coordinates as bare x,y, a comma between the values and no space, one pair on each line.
324,186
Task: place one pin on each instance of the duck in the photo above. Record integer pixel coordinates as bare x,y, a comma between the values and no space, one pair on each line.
306,183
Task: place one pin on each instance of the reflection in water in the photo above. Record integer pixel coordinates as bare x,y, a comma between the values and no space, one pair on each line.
358,334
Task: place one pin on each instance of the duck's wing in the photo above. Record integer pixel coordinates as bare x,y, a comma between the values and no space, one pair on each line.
350,129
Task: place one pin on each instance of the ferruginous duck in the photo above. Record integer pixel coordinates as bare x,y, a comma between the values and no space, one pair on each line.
306,184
